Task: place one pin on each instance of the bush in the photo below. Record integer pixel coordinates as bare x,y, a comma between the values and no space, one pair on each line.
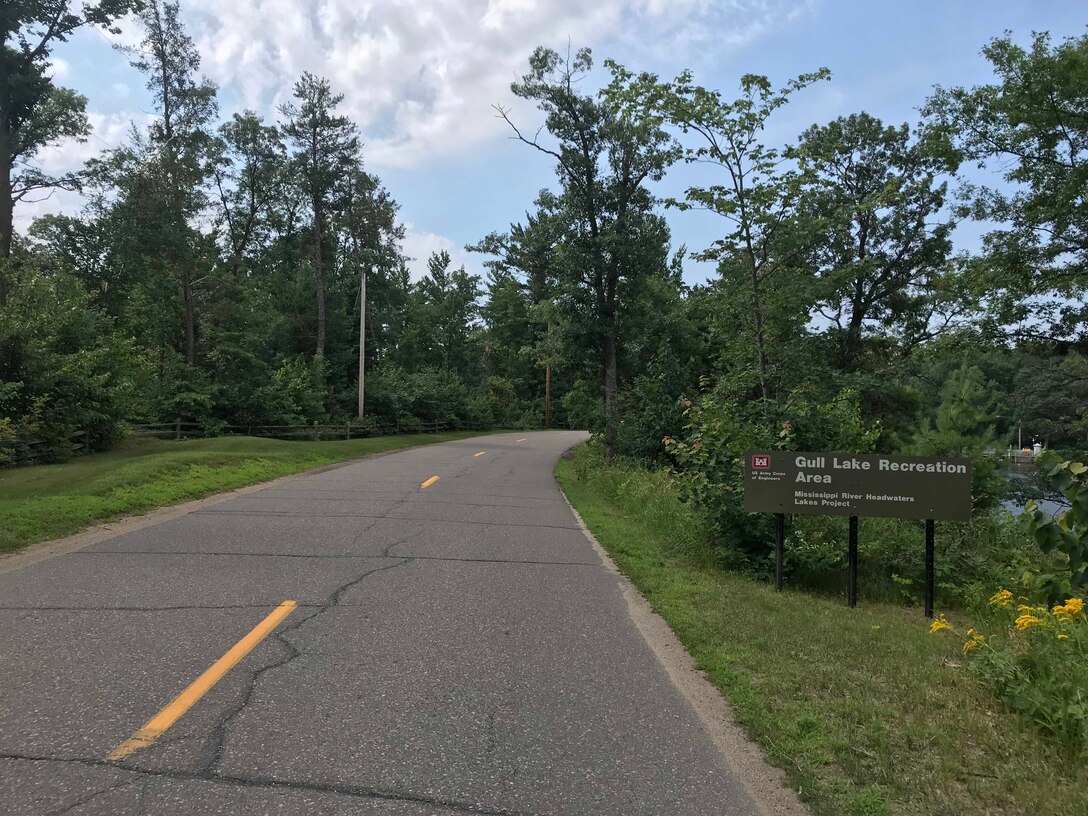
1063,538
710,460
651,495
63,366
428,393
1034,659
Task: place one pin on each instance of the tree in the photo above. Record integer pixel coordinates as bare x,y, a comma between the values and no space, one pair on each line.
769,232
964,427
604,159
174,161
447,312
883,263
326,147
33,111
1033,122
248,165
520,312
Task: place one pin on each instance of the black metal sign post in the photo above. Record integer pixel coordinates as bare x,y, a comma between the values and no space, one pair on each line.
852,591
779,548
853,485
929,567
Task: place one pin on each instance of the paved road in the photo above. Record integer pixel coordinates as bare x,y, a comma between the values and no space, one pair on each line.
457,648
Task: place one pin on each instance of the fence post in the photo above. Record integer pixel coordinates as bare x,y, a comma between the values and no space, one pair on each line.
177,429
315,431
347,430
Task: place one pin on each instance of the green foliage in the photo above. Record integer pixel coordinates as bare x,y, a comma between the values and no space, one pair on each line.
1034,657
710,460
964,427
972,557
1030,124
882,265
605,160
1062,538
63,366
431,393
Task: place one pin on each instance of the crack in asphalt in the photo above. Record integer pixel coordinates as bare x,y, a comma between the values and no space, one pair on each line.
315,556
269,783
215,744
289,514
213,755
228,554
102,792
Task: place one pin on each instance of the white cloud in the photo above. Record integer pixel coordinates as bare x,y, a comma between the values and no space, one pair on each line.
421,75
419,245
58,68
108,130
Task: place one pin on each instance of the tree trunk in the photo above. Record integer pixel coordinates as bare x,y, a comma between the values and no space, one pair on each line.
7,208
611,396
319,282
851,345
190,320
761,346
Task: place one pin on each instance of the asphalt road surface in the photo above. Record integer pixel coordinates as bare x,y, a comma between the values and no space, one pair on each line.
456,648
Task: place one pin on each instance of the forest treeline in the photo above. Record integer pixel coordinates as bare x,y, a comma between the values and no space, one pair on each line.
214,273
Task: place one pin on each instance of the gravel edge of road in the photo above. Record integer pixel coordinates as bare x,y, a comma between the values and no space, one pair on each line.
46,550
767,785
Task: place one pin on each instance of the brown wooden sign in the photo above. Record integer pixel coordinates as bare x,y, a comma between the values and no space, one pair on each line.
843,484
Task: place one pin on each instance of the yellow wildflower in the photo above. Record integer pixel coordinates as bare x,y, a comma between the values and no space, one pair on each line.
1001,598
939,624
1069,610
976,639
1025,609
1026,622
1063,637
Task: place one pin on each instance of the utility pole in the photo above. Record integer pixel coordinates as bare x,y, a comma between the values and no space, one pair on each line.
547,395
362,338
548,381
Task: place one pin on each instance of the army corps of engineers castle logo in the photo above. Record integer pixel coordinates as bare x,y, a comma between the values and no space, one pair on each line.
761,461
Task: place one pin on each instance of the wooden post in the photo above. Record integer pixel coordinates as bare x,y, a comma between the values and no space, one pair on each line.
177,429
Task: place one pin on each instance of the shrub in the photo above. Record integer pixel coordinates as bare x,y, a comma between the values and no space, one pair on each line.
710,458
1063,538
1034,659
63,366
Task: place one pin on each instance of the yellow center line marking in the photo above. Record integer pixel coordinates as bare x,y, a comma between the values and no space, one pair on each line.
157,725
430,481
481,453
522,439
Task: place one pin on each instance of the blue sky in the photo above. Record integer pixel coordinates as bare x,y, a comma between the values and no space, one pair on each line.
420,77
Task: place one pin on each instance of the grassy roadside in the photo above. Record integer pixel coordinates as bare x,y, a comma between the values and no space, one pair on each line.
47,501
865,710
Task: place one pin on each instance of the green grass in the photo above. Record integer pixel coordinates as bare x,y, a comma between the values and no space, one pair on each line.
47,501
865,710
